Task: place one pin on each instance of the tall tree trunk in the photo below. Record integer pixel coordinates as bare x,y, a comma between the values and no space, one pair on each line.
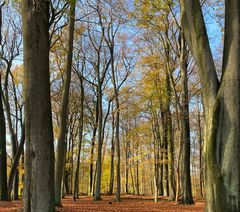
165,113
156,166
117,139
39,156
132,178
64,108
13,135
127,156
222,150
178,183
160,169
14,169
221,104
157,146
97,195
117,134
200,148
72,166
171,173
3,152
67,171
112,156
91,173
165,156
185,132
137,167
76,180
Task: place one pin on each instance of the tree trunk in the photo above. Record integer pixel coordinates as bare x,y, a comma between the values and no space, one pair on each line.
185,131
76,180
156,166
14,169
64,109
39,156
221,104
165,157
171,173
165,113
160,169
112,157
132,177
91,174
117,133
72,166
137,169
97,195
118,159
178,183
13,136
3,152
200,149
127,156
157,146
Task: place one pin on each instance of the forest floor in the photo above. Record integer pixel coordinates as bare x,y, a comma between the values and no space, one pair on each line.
130,203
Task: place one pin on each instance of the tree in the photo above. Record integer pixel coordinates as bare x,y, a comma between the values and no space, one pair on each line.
221,104
60,154
81,120
39,152
185,131
3,152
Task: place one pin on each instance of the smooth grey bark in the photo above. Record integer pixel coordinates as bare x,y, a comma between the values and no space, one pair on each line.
39,154
221,104
64,108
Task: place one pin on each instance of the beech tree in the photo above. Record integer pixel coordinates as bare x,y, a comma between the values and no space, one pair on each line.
3,152
60,154
39,152
221,104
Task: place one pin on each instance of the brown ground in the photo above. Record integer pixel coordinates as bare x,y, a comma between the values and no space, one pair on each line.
130,203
